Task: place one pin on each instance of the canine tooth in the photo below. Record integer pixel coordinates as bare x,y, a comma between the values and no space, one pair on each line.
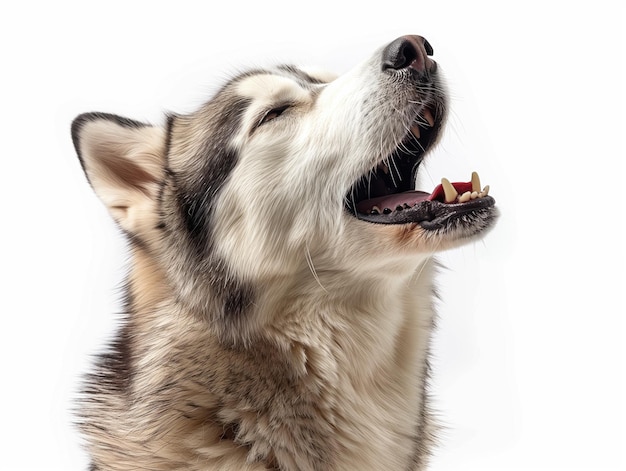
475,182
449,191
474,195
428,116
486,190
415,129
465,197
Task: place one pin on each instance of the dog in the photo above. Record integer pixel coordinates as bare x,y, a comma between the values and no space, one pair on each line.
279,303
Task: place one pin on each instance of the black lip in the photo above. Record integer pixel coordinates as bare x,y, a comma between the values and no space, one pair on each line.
431,215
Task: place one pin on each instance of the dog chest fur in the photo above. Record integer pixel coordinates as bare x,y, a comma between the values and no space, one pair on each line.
345,376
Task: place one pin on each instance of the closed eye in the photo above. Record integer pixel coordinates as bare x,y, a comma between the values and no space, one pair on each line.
273,114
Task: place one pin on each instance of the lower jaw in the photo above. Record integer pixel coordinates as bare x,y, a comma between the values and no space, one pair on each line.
431,215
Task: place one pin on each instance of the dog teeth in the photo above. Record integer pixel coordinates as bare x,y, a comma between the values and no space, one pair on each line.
428,116
415,130
449,191
465,197
475,182
451,194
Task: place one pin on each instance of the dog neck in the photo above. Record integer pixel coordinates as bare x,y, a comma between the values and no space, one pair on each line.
353,349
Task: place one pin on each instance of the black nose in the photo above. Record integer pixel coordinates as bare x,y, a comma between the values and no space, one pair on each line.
409,52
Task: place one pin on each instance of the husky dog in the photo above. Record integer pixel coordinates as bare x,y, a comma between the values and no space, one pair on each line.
279,301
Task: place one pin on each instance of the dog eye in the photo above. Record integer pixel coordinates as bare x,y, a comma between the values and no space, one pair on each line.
273,114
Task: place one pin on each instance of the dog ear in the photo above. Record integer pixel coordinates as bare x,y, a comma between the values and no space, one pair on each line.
124,161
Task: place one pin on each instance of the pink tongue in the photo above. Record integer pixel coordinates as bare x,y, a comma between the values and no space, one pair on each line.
409,198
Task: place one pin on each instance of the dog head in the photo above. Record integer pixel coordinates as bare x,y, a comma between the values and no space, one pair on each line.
286,171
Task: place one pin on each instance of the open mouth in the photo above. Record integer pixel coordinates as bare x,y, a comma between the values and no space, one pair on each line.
386,193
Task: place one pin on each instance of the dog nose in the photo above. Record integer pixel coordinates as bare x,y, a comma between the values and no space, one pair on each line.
409,52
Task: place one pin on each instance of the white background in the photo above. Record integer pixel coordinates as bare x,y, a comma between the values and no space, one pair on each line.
529,357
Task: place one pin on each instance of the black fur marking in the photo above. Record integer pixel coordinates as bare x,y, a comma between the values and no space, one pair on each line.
299,74
136,241
114,371
236,300
196,205
196,193
194,217
195,176
237,297
230,432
